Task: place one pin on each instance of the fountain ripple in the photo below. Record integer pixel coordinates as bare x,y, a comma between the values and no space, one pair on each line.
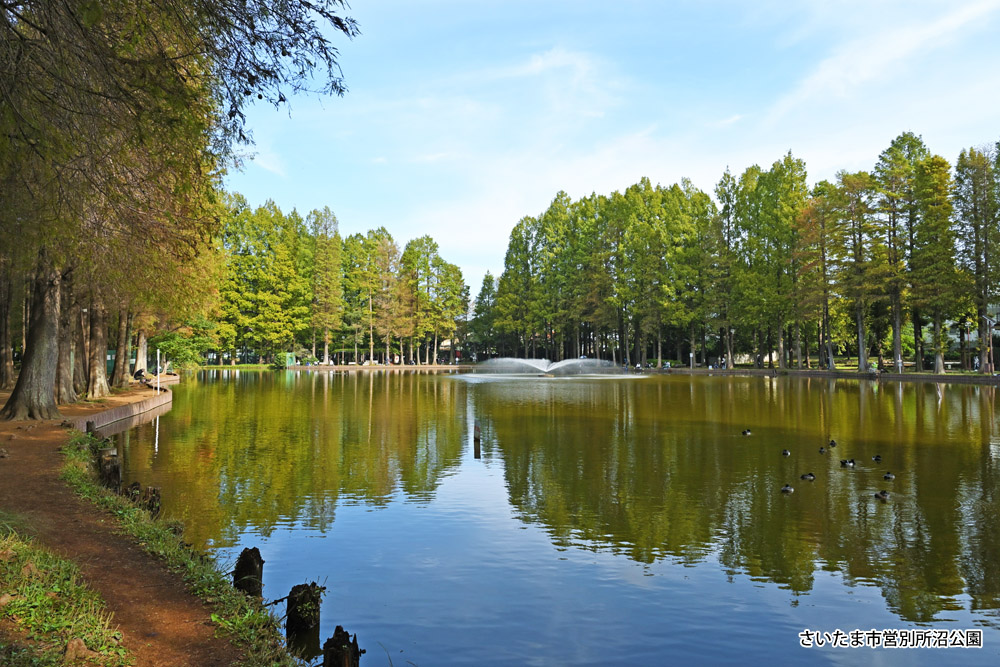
544,367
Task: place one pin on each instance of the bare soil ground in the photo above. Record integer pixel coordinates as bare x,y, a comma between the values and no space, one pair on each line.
162,624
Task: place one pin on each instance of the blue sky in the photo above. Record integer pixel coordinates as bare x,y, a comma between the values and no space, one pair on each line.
464,116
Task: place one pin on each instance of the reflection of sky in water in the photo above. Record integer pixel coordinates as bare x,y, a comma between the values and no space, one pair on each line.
463,575
450,572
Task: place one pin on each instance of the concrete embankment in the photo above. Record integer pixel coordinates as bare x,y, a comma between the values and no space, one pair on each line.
123,413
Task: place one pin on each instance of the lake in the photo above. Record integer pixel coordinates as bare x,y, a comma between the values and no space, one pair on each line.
606,520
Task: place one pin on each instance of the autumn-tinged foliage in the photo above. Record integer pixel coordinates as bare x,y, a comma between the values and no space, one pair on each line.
117,118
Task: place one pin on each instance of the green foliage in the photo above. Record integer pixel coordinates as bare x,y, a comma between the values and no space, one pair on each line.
186,346
327,277
264,296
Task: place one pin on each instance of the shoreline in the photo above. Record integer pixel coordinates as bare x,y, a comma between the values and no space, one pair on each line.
161,622
957,377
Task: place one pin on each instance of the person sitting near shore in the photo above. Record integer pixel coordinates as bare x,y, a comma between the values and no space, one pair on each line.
140,375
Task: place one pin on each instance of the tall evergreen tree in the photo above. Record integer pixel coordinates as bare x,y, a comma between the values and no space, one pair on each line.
860,251
937,282
483,327
328,292
977,212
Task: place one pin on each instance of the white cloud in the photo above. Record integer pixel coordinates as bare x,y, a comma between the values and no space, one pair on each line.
269,161
876,55
735,118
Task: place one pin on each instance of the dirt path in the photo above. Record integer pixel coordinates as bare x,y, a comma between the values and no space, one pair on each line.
162,624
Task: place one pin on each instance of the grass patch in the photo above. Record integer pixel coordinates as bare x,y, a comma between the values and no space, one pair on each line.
14,523
43,600
248,624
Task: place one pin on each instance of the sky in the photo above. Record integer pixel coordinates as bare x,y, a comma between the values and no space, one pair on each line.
464,116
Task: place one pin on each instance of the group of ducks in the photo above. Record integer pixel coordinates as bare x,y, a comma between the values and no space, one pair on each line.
882,495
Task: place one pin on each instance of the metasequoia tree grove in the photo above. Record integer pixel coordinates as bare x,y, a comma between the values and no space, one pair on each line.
117,117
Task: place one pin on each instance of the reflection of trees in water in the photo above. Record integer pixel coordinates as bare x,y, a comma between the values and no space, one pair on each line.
658,469
260,450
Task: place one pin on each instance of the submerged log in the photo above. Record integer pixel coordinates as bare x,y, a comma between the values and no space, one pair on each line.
249,573
341,650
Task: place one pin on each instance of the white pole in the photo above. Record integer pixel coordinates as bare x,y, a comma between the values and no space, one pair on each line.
157,369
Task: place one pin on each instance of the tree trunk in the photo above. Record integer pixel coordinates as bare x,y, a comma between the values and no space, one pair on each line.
97,382
781,347
81,351
694,342
859,318
897,333
918,340
770,348
141,351
638,345
798,345
831,363
984,344
961,347
128,346
938,345
806,341
371,327
26,314
119,376
704,347
65,393
729,346
326,346
6,344
33,396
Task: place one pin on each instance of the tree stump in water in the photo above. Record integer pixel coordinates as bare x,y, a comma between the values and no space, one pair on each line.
151,501
249,573
341,650
303,608
109,470
133,492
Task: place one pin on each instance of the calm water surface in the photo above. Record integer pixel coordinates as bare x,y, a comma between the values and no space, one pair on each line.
600,521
